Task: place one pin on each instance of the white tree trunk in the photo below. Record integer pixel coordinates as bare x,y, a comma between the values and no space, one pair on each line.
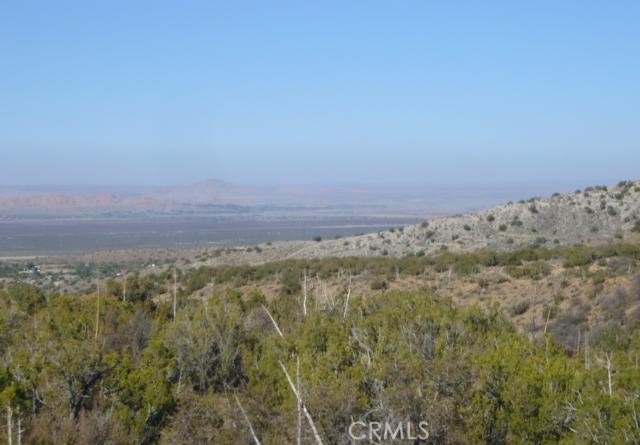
304,294
273,320
301,402
9,424
175,293
20,430
124,288
299,422
346,301
97,309
246,418
609,371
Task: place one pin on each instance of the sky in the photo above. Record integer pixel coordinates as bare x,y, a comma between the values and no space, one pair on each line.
322,92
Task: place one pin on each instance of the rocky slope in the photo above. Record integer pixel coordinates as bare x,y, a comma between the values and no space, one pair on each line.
594,215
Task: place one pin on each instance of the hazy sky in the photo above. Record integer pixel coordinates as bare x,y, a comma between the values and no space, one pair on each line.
151,92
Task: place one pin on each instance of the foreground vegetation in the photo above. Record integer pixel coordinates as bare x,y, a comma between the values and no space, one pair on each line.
108,370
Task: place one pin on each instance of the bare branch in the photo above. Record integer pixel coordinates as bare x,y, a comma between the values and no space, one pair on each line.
304,294
299,421
301,402
275,325
346,301
246,418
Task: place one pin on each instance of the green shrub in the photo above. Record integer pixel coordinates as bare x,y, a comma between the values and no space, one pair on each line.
598,277
379,284
290,282
578,256
519,308
534,270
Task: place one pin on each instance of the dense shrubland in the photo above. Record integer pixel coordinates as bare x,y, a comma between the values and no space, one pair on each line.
78,370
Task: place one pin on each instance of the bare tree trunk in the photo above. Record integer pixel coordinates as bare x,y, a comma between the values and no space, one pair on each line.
20,430
346,301
175,293
304,294
609,371
9,424
246,418
327,296
533,317
299,422
301,402
97,310
586,349
546,323
124,288
273,320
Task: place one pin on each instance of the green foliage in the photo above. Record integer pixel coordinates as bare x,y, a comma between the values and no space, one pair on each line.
534,270
146,378
520,308
378,284
27,297
290,282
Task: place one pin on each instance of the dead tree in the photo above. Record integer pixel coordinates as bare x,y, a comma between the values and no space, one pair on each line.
175,293
273,320
609,367
586,349
9,424
312,424
124,287
304,294
299,420
246,418
97,309
346,300
294,387
20,429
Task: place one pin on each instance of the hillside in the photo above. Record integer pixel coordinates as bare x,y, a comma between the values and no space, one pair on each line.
595,215
487,340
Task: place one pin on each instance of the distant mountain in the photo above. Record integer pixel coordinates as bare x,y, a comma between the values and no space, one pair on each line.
219,197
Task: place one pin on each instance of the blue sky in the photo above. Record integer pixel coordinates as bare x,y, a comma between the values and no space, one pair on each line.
319,92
